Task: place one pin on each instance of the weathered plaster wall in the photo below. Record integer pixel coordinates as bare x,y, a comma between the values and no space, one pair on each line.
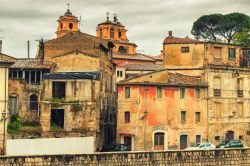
163,115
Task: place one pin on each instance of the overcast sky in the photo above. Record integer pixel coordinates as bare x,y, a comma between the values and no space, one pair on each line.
147,21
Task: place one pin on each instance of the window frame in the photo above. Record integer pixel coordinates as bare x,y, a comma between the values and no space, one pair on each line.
112,33
185,49
127,92
183,118
182,93
197,118
230,56
197,93
159,92
127,116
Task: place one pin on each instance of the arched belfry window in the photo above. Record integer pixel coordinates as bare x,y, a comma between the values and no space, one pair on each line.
61,25
122,50
100,33
112,31
70,26
33,102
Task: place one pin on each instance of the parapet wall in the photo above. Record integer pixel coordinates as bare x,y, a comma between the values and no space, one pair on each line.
225,157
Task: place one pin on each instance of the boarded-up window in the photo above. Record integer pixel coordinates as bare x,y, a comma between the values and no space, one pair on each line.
240,110
217,52
13,106
217,109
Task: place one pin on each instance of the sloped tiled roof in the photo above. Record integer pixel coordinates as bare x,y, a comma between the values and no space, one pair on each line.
6,58
30,63
75,42
143,67
136,56
169,79
95,75
175,40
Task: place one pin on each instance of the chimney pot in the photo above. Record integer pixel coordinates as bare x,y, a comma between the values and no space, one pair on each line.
170,33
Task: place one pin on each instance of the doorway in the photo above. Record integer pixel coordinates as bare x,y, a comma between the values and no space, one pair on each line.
128,141
159,141
183,141
57,118
229,135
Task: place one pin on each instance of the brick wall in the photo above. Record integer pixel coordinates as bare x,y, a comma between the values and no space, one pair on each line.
224,157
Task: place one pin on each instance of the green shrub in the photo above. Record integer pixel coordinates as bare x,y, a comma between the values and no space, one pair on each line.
15,124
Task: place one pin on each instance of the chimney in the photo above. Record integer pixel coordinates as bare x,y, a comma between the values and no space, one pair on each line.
1,44
28,44
170,33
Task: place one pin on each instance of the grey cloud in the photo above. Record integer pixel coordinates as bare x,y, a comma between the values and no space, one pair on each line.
147,21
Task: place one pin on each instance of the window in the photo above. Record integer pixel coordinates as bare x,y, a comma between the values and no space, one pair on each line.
239,87
120,34
183,116
182,93
127,117
61,25
217,86
122,50
119,73
112,33
70,26
58,90
13,105
241,137
16,74
231,53
197,93
33,102
198,139
127,92
197,117
128,141
217,138
159,141
184,49
159,92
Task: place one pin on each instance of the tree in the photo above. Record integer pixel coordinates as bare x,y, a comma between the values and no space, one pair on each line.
215,26
242,38
207,26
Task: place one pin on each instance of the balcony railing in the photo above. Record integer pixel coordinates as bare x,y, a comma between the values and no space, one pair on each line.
240,93
217,92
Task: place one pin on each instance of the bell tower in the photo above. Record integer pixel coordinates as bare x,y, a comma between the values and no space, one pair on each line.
67,23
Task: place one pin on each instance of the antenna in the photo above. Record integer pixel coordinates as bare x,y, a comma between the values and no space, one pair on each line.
80,23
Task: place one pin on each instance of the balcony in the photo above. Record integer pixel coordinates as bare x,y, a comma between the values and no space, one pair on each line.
217,92
245,63
240,93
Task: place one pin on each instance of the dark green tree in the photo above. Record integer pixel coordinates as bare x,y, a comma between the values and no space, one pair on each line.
242,38
206,27
216,26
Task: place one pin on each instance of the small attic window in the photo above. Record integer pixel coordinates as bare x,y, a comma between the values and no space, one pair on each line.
70,26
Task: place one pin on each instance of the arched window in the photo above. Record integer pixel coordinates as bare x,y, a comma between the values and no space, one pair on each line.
100,33
112,31
122,50
13,105
70,26
33,102
120,34
159,141
61,25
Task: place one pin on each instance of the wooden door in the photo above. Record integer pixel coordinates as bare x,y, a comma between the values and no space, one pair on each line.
183,141
159,141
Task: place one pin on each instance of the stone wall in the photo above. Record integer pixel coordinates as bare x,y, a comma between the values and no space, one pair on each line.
226,157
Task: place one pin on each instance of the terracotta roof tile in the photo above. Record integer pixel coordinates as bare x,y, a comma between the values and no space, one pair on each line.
175,40
6,58
75,42
31,63
143,67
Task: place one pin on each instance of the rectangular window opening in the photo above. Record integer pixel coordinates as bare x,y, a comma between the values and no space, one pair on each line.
127,117
58,90
127,92
159,92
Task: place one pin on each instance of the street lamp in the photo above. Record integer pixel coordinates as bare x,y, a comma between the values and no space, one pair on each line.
4,118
